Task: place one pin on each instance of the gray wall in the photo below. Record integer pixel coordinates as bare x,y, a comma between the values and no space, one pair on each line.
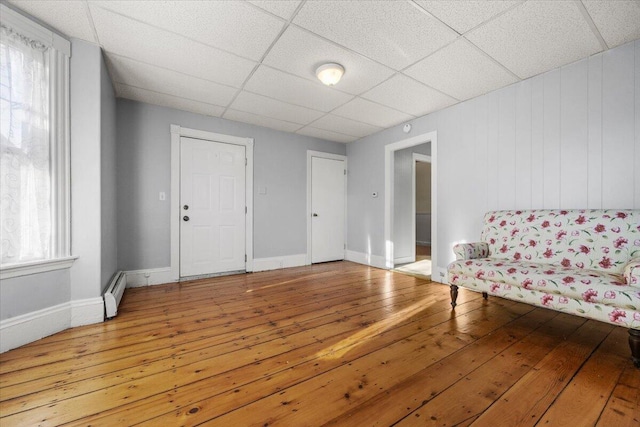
85,88
568,138
144,170
403,199
108,173
24,294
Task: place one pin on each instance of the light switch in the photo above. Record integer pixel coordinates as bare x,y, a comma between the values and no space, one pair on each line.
163,196
262,190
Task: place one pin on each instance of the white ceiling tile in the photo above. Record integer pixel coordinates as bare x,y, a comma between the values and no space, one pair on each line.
461,70
295,90
617,21
394,33
254,119
156,98
70,18
345,126
263,106
230,25
537,36
145,76
325,134
463,15
407,95
366,111
130,38
281,8
301,53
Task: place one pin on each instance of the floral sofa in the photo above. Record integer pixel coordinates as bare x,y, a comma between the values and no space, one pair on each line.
583,262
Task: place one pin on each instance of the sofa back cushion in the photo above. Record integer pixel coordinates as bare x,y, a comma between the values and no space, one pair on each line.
594,239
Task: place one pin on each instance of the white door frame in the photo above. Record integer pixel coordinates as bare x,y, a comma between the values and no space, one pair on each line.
178,132
310,154
389,151
416,157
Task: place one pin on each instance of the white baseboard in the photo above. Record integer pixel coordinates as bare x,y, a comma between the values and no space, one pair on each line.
439,275
366,259
29,327
87,311
275,263
152,276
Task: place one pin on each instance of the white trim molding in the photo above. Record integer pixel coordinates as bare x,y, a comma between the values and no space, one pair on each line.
27,268
366,259
276,263
86,311
321,154
149,277
178,132
389,151
30,327
21,330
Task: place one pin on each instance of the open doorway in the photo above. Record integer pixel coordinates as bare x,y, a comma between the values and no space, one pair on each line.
399,226
419,215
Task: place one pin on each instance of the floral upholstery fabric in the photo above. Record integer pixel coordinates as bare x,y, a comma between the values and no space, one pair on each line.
588,285
632,272
471,250
584,262
592,239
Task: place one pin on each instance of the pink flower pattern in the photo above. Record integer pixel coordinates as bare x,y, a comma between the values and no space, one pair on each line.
530,257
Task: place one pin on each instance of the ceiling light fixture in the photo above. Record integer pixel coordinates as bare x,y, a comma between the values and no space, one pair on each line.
330,73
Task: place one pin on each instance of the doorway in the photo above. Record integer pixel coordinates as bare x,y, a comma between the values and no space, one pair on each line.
390,150
211,203
326,207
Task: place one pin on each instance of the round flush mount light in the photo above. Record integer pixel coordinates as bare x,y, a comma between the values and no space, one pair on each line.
406,128
330,73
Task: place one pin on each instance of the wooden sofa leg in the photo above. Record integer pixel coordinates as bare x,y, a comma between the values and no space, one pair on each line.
485,295
454,295
634,343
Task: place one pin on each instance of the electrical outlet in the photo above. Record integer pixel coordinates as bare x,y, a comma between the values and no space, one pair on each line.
163,196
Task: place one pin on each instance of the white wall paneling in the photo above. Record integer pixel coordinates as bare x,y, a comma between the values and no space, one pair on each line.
574,135
551,129
566,138
507,148
537,141
523,155
637,126
594,130
492,165
618,126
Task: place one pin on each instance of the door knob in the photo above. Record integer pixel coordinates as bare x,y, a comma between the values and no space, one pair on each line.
185,207
315,214
186,218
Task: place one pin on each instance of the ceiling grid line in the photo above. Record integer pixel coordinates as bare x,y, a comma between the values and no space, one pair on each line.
255,61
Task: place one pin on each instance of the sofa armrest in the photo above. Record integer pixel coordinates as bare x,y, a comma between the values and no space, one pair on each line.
632,273
472,250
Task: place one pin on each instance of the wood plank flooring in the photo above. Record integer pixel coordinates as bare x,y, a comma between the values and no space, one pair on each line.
330,344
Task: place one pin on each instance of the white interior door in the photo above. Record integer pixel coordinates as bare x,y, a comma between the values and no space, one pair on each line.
212,207
327,209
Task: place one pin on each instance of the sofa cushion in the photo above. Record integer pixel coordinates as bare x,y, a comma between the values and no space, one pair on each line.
603,240
592,286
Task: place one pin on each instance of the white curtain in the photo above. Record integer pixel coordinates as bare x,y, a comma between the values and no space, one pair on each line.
25,151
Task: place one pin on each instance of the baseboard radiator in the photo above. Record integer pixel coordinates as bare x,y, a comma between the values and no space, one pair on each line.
114,293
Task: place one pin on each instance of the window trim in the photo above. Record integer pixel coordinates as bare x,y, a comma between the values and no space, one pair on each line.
59,139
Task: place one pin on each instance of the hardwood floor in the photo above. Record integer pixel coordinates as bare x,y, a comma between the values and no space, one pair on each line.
330,344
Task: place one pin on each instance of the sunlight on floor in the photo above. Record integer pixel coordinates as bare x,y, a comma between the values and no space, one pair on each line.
420,268
341,348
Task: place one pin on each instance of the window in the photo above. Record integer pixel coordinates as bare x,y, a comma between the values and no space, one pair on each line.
34,165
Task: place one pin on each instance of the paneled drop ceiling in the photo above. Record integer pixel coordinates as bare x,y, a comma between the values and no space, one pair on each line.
255,61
